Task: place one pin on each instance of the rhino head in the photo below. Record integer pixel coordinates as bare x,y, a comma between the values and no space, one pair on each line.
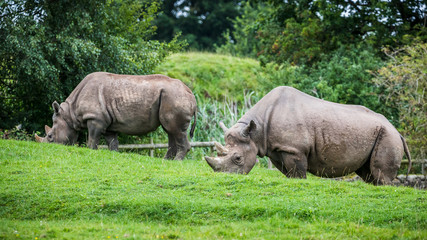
240,151
60,132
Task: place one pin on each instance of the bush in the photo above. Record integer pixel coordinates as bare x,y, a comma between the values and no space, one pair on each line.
17,133
52,45
404,86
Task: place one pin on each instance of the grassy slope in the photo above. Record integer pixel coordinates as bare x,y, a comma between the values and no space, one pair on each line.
53,191
215,75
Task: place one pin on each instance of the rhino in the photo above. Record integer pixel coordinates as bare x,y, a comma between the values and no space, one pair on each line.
301,133
107,104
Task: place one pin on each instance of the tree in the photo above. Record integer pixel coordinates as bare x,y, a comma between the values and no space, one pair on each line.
302,31
201,22
404,84
47,47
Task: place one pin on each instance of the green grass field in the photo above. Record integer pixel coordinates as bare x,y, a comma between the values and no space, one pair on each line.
49,191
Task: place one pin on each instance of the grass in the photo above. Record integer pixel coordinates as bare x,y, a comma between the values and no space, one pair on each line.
215,76
57,192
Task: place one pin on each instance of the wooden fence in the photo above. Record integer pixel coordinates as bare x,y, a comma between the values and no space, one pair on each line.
423,163
153,146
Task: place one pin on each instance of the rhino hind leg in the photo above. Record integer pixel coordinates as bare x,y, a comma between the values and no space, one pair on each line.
175,117
172,149
183,145
365,172
112,141
384,162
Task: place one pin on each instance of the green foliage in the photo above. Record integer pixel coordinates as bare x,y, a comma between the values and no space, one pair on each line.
17,133
54,191
344,77
201,22
404,84
51,46
301,32
219,77
121,16
242,40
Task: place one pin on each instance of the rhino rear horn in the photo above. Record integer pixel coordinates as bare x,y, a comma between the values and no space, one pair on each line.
222,125
220,149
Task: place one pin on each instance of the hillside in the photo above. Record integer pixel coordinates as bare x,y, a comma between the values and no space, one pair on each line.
215,76
54,191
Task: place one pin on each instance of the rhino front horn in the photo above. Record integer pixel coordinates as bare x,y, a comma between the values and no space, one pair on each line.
213,162
220,149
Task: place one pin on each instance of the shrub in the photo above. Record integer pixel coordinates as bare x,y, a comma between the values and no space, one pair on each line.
404,84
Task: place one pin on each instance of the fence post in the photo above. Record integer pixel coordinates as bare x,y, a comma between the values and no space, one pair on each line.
152,149
423,167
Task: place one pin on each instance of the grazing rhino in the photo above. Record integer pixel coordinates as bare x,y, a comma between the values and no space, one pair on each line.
301,133
107,104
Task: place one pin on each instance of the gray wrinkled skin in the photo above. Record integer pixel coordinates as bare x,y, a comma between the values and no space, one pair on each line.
107,104
301,133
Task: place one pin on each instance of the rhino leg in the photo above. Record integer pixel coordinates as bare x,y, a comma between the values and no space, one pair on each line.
112,141
175,117
291,163
296,164
382,166
183,145
172,149
365,172
95,130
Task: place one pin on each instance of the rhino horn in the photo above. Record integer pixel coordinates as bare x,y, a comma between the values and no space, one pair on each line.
220,149
222,125
215,163
38,139
47,128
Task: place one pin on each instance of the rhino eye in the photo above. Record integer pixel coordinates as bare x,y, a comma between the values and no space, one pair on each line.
237,160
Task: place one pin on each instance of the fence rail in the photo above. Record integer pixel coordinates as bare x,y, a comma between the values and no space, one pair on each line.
158,145
423,163
151,146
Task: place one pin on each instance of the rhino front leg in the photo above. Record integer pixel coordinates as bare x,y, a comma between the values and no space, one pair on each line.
95,130
112,141
295,164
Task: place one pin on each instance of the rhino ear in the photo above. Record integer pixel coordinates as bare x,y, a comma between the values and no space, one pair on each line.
56,107
249,129
47,128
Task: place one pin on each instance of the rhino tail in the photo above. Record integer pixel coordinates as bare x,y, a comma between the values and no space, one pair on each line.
194,124
408,154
